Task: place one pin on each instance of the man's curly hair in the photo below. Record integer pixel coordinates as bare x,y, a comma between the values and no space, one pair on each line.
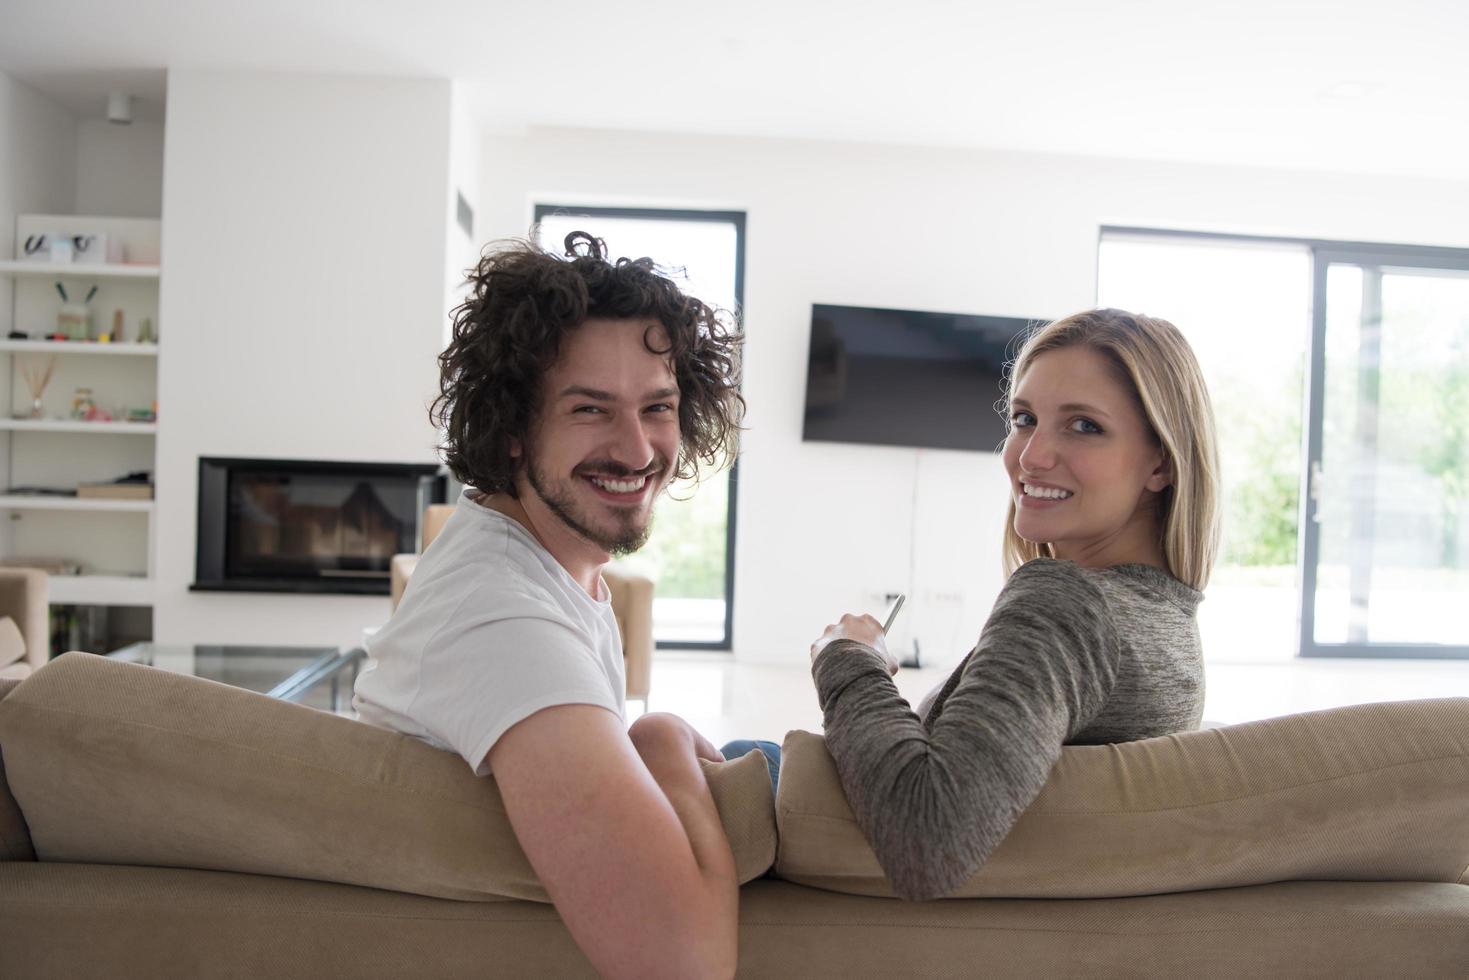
523,303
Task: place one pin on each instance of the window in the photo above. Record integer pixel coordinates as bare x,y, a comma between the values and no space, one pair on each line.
691,551
1338,372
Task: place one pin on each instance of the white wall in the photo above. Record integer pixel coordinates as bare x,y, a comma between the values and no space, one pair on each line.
38,152
461,248
302,299
119,169
823,527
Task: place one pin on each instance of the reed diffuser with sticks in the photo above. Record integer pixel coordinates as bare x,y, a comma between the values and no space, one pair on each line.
36,379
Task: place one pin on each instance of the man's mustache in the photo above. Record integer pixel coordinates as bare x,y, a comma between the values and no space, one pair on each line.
607,467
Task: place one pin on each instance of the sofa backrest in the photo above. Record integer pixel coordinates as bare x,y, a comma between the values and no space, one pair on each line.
15,838
119,763
1367,792
194,774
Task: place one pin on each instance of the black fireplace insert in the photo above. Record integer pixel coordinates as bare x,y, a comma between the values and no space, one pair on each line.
276,525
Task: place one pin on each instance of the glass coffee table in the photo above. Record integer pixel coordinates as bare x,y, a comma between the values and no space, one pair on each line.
320,677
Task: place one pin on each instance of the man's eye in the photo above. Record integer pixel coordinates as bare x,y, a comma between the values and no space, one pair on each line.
661,407
589,409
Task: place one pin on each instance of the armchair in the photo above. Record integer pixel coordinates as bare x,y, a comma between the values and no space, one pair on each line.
632,603
23,598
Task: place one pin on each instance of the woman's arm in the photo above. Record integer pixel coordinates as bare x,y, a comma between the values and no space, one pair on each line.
935,803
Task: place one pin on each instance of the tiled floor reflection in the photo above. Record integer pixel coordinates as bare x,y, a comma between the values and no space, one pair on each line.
726,700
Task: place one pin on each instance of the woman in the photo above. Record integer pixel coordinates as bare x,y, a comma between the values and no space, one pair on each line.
1112,532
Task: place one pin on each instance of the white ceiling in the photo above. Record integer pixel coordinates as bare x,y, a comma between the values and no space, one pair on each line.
1350,85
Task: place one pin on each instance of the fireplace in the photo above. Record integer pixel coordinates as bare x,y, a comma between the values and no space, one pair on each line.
274,525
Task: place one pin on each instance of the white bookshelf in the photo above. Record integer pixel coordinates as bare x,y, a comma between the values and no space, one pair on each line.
70,425
110,539
78,347
101,505
79,270
101,590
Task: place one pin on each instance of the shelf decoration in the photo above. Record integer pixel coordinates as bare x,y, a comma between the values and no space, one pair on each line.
37,378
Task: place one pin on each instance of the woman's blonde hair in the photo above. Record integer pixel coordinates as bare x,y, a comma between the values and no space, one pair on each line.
1152,359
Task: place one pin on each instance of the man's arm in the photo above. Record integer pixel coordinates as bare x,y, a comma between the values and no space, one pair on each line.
622,831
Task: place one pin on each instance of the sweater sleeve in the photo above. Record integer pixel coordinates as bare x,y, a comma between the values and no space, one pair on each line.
934,803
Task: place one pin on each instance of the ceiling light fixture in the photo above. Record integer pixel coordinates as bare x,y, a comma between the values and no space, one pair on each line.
1352,91
120,108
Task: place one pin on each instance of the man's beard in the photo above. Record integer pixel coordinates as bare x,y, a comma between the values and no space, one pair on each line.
628,536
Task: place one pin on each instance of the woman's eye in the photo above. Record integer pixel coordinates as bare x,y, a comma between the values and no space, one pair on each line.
1020,420
1086,426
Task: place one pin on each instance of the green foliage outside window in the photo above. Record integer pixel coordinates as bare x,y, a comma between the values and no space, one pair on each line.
1425,413
1260,449
685,554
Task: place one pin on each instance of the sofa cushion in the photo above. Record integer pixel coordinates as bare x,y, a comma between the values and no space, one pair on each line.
163,923
190,773
12,644
15,839
1368,792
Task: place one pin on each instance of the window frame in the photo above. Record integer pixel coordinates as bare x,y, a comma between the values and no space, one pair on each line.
737,219
1323,252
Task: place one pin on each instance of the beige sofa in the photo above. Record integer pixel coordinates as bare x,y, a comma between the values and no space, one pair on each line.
188,829
631,595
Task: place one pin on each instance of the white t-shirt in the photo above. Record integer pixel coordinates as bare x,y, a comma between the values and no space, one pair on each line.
490,630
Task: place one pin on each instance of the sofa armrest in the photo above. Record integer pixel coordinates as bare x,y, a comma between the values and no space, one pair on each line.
399,569
632,604
23,597
434,520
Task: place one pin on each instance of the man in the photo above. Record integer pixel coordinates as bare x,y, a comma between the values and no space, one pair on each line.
574,390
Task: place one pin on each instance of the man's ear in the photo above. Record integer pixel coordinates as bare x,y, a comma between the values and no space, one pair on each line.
1162,476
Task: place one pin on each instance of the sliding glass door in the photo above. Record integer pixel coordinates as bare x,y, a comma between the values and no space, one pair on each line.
1245,308
1340,380
1386,543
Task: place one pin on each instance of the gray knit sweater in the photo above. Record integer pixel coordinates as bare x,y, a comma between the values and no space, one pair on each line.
1070,655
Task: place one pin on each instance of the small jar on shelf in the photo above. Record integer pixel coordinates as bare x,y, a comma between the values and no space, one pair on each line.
82,405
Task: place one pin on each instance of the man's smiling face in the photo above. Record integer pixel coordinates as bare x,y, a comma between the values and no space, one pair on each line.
606,436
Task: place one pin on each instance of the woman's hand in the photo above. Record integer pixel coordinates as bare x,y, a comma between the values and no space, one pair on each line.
861,629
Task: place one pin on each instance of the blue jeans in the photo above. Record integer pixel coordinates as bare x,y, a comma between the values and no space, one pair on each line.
741,747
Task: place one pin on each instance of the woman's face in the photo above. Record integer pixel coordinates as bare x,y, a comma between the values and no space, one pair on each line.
1084,468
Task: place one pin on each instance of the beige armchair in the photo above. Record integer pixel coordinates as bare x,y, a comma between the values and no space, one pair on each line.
23,599
632,603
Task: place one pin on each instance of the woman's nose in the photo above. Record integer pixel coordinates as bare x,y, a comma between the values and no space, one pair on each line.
1039,452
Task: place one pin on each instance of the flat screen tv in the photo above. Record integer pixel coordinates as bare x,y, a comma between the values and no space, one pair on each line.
905,378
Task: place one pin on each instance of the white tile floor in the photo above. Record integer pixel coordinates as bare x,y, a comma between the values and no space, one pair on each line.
726,700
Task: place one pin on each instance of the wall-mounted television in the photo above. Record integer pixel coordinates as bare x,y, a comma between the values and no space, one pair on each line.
907,378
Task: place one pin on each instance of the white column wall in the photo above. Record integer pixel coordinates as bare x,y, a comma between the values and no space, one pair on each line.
38,160
38,153
119,170
302,300
824,528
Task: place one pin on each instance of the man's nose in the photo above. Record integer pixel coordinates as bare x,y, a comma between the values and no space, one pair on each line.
630,443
